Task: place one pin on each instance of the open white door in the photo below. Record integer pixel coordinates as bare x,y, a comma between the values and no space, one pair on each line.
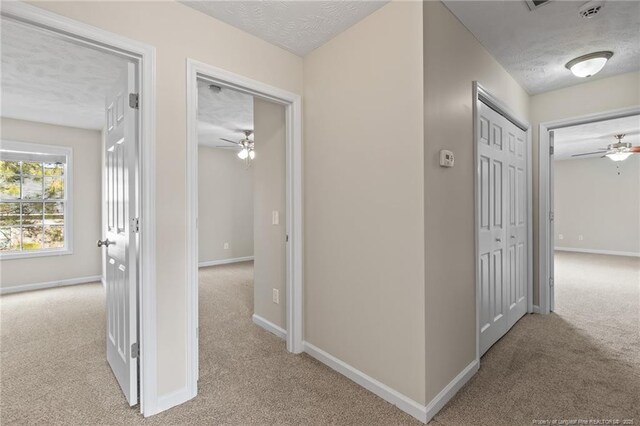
552,231
120,240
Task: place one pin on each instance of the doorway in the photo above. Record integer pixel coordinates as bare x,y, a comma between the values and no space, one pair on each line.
130,325
547,213
503,219
199,73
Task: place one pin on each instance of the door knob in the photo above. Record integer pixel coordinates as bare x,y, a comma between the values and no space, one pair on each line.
105,243
498,240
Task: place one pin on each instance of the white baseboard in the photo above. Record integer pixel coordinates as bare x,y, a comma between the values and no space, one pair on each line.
224,261
50,284
390,395
269,326
597,251
536,309
450,390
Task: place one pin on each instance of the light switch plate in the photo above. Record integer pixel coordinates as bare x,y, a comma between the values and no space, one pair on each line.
275,217
276,296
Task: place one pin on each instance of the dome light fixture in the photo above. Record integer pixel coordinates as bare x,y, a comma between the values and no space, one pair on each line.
590,64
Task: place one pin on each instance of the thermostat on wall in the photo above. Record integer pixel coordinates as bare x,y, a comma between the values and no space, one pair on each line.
446,158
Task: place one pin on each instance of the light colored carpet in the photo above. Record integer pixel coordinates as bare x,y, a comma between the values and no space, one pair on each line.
54,369
579,363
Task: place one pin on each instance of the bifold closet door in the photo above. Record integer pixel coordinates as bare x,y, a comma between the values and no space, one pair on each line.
501,224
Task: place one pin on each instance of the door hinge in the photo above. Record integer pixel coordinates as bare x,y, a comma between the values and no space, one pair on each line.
551,216
135,350
135,224
550,282
134,100
550,149
287,238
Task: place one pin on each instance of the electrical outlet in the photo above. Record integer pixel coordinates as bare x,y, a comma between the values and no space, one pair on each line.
561,236
580,237
276,296
226,246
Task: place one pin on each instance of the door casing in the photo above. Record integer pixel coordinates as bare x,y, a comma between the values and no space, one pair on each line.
293,104
144,56
481,95
546,239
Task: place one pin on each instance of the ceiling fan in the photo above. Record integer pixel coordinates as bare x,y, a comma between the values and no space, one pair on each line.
245,145
618,151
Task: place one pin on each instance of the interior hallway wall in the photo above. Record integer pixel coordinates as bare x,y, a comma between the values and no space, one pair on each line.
178,32
269,173
590,97
363,203
85,261
593,200
225,205
453,60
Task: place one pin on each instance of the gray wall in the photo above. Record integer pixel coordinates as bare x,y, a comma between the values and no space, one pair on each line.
592,200
225,205
269,191
87,216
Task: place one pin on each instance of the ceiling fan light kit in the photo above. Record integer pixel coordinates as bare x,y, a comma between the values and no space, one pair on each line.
618,151
589,64
246,145
619,156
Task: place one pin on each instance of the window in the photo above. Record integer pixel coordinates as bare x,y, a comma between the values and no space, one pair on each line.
35,195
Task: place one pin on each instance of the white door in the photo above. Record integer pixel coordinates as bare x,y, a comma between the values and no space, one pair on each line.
501,224
516,221
120,240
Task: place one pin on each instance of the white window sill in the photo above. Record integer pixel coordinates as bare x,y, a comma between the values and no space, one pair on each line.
38,253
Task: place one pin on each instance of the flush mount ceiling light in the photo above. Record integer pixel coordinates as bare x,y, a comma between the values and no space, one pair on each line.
590,64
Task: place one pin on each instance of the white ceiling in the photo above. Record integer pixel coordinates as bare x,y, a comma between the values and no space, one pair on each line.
51,80
223,114
298,26
594,136
534,46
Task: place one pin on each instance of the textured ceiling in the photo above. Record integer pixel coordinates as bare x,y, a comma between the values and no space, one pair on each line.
298,26
593,136
222,114
51,80
534,46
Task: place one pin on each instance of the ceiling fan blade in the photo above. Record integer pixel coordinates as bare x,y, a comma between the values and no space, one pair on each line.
588,153
635,149
227,140
226,147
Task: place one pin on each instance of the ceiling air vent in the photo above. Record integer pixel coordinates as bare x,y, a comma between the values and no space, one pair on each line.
534,4
588,10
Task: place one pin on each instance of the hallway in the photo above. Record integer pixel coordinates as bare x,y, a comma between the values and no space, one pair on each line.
580,362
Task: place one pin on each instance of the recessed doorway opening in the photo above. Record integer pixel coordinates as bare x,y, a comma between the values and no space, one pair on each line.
251,215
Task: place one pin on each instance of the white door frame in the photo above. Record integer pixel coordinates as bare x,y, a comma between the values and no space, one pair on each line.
545,240
293,105
481,95
144,55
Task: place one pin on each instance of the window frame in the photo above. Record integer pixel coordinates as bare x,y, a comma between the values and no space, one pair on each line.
67,151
